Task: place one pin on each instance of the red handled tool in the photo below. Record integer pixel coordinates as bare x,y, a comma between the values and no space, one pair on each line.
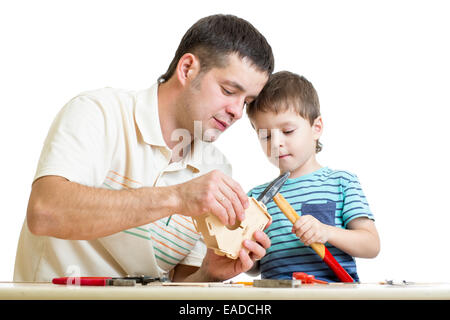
307,278
106,281
319,248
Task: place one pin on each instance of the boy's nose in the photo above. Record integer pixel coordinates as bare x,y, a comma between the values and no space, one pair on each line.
277,138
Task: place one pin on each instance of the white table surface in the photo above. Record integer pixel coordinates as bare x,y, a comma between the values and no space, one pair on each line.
48,291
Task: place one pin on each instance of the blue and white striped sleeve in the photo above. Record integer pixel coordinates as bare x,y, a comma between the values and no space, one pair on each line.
355,202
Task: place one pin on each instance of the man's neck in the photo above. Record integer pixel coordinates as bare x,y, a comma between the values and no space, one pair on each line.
168,93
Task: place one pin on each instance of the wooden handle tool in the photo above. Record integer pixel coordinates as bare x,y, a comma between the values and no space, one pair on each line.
319,248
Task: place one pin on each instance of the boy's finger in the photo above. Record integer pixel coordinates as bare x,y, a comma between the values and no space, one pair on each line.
306,231
307,236
302,221
304,225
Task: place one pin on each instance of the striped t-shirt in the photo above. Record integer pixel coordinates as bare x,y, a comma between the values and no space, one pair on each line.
334,198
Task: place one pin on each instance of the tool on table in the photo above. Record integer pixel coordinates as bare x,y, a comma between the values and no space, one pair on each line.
292,215
307,278
276,283
396,282
107,281
245,283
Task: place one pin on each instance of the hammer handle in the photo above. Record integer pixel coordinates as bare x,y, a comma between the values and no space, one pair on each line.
319,248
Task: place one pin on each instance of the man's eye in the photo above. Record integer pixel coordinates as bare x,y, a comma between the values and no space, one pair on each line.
227,92
265,138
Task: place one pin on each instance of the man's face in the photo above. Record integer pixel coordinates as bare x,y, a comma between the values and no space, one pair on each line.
217,97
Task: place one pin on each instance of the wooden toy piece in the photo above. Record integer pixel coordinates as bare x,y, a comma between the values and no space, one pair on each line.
227,240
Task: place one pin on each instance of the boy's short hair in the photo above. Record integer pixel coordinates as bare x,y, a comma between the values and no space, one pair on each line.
288,91
214,37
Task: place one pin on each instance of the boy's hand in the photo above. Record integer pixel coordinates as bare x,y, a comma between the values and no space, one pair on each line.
310,230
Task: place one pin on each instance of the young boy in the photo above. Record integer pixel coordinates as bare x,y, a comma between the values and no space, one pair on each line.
331,203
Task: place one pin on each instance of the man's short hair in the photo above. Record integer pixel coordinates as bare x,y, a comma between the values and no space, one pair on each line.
288,91
213,38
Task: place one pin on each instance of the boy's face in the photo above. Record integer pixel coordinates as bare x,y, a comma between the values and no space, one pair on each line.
216,98
288,139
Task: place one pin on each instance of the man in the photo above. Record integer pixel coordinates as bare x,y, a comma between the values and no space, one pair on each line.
122,173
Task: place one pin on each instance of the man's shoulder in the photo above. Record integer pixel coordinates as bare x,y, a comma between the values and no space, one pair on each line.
104,102
107,94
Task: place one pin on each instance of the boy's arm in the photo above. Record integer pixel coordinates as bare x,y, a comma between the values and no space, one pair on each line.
360,239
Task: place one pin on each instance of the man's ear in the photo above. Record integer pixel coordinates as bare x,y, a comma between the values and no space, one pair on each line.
317,128
187,68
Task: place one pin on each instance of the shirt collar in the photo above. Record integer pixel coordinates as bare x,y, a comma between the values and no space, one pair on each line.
147,116
195,156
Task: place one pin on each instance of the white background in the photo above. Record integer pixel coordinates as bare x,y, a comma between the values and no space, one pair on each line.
381,69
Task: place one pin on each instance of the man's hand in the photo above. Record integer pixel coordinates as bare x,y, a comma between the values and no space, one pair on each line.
310,230
220,268
214,193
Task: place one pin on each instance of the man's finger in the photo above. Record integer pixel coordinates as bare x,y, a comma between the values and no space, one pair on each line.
246,261
236,209
255,249
220,212
225,203
262,238
236,187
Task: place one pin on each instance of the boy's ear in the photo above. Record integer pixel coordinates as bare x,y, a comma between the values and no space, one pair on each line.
187,69
317,128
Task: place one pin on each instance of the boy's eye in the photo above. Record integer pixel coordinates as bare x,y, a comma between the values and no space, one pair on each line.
288,131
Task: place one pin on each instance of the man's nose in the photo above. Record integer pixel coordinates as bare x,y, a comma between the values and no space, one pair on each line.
236,109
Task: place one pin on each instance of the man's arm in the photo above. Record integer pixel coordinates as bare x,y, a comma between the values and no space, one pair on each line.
68,210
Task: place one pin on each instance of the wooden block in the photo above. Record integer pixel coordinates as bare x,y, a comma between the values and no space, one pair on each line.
227,240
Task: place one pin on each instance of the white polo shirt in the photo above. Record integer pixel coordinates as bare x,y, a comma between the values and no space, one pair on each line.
111,138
